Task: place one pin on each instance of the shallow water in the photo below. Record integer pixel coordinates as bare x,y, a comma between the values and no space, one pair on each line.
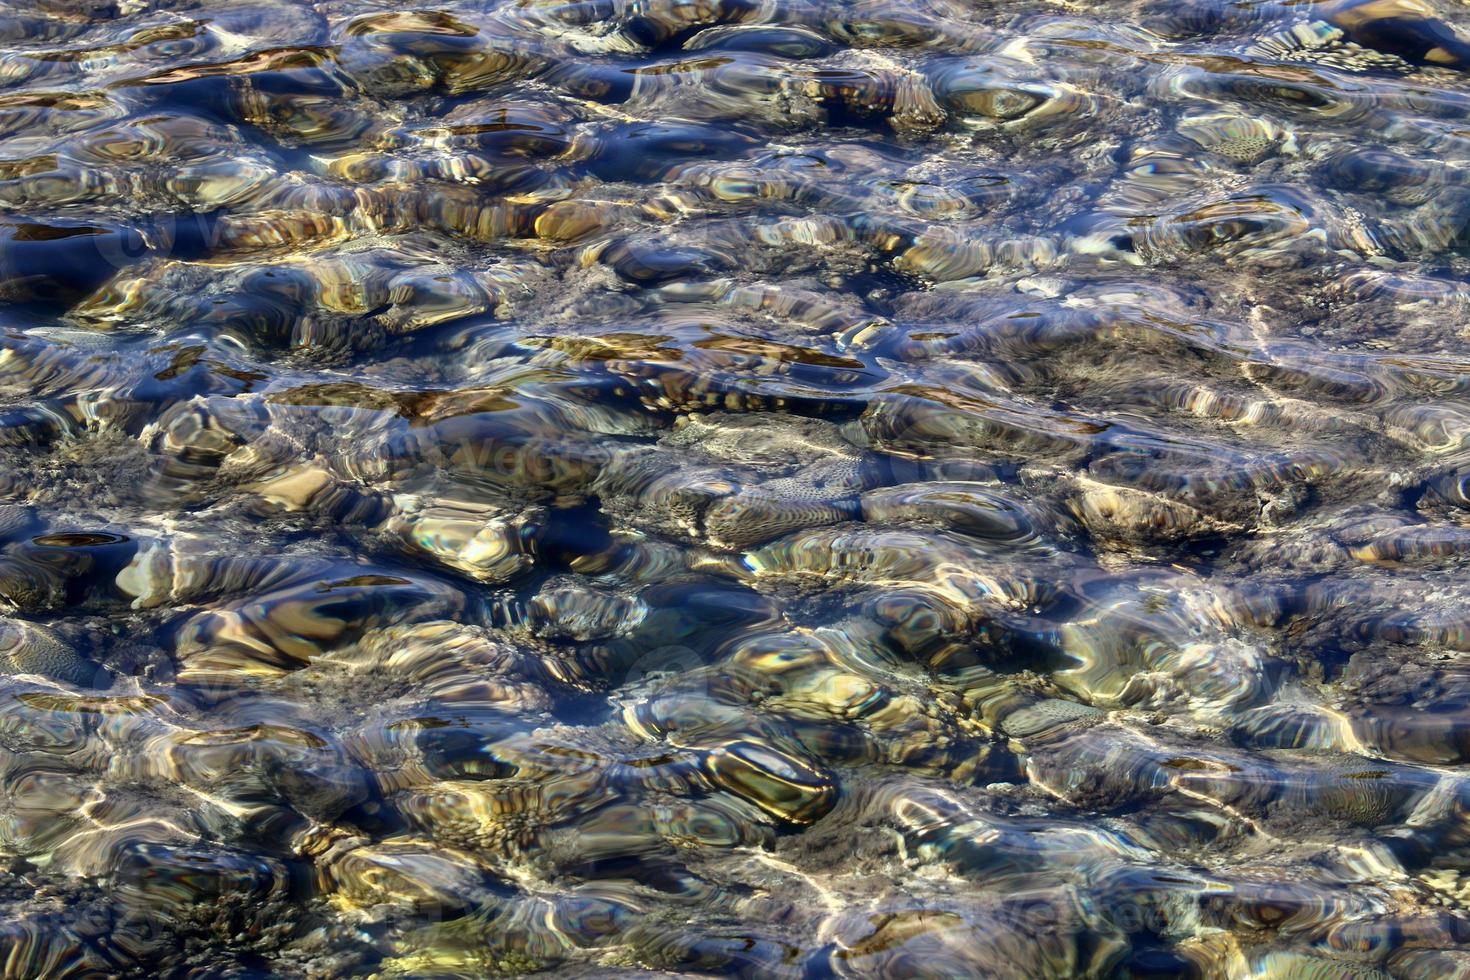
785,489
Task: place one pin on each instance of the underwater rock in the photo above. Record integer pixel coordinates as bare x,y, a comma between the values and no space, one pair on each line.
772,489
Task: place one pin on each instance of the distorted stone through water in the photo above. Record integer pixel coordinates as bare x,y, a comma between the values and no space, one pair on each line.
775,488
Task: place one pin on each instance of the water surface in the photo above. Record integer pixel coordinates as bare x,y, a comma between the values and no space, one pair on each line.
783,489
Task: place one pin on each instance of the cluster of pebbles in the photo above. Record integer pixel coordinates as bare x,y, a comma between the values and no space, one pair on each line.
787,488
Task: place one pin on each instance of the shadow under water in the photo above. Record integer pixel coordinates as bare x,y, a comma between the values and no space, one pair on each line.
783,488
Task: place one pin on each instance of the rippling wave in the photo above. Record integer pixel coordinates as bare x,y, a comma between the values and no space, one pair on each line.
784,488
